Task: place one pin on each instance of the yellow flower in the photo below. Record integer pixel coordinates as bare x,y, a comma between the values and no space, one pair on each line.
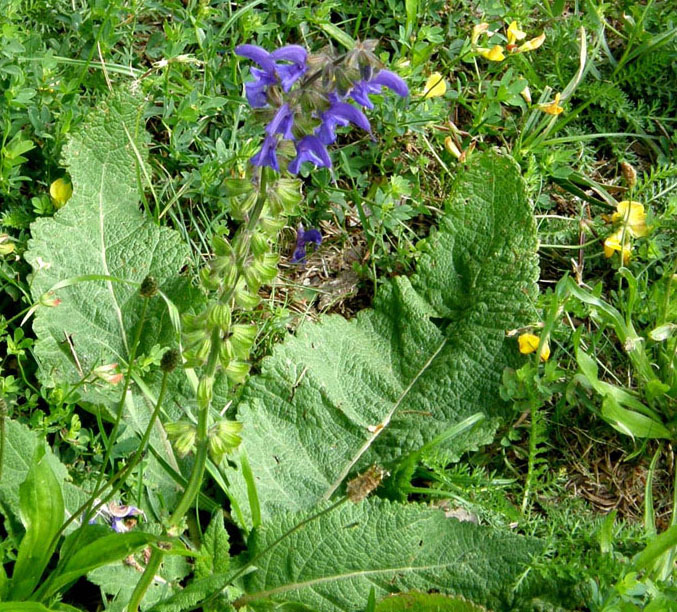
613,244
528,343
633,216
514,33
477,31
495,54
61,191
435,86
552,108
532,44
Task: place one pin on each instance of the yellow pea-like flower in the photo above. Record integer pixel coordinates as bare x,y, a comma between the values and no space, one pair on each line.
532,44
514,33
613,243
495,54
435,86
552,108
477,31
528,343
633,216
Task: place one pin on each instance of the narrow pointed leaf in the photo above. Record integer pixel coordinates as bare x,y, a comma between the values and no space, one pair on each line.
42,513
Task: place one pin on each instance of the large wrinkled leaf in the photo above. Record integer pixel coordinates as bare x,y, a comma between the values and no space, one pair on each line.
99,247
331,561
342,395
426,602
96,250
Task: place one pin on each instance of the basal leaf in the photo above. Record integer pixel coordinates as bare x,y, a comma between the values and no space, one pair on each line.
92,255
342,395
426,602
331,563
96,250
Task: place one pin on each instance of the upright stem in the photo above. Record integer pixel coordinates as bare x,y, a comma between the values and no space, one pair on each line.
202,439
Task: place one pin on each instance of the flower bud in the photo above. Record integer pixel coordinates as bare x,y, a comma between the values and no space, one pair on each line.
629,174
108,373
6,247
49,299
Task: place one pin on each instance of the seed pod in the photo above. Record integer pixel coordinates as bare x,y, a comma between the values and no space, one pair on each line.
170,360
148,287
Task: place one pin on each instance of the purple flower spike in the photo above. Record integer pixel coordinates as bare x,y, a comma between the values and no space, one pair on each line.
310,148
303,238
340,113
282,123
267,156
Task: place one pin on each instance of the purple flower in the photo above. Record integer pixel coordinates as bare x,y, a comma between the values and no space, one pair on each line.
272,69
385,78
310,148
304,237
267,156
119,515
282,123
340,113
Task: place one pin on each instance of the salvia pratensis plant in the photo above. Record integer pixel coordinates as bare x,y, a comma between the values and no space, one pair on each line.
304,98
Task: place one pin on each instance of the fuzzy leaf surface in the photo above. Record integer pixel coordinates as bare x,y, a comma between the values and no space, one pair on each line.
331,563
102,234
429,354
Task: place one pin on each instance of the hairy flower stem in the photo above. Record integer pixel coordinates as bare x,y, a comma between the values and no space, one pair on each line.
202,441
